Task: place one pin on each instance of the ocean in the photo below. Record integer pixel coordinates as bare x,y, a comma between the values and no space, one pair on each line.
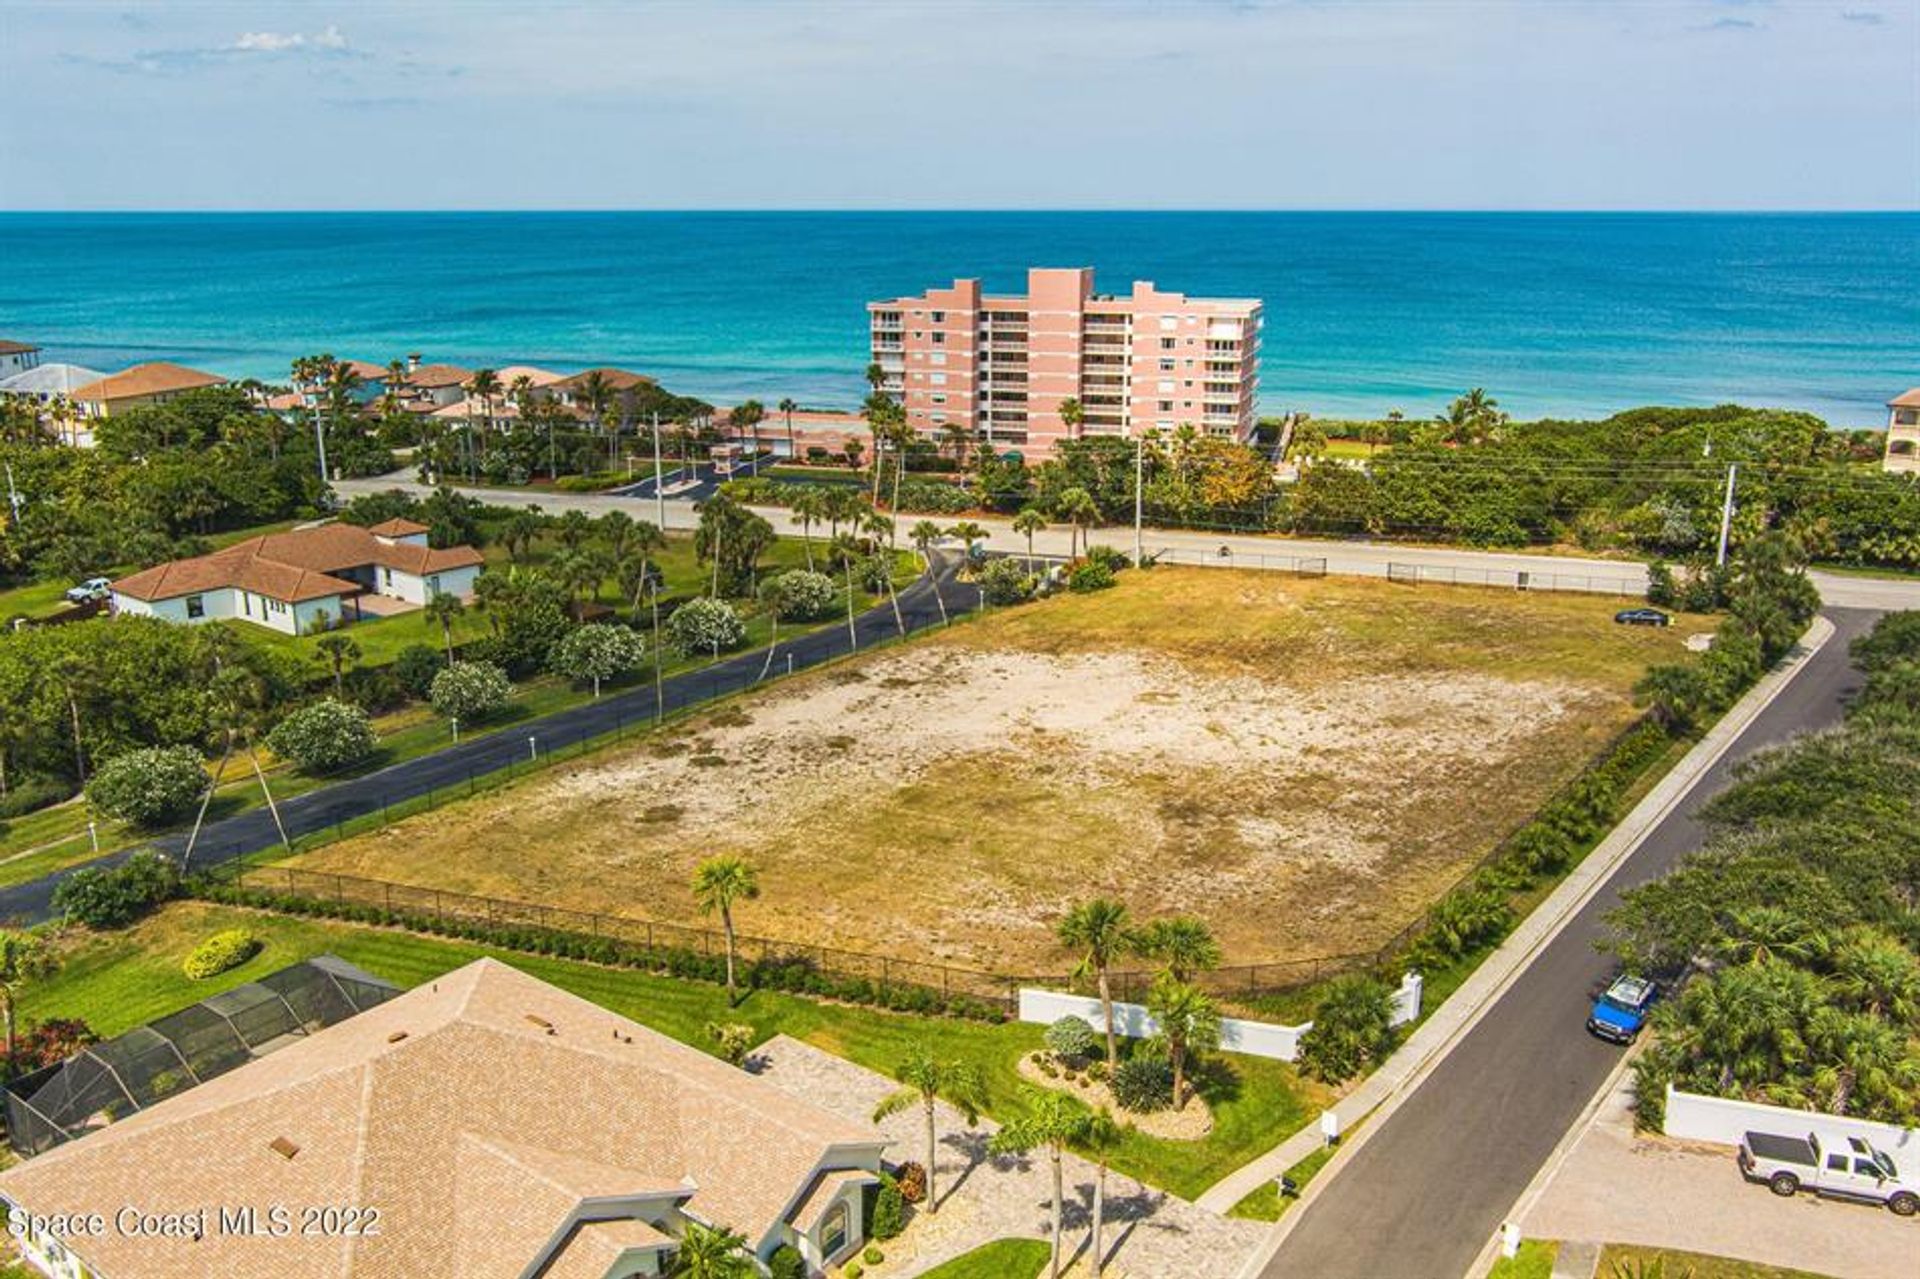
1554,313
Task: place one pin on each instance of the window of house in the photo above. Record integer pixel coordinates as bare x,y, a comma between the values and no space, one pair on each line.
833,1230
389,575
939,399
433,585
246,603
196,606
1166,366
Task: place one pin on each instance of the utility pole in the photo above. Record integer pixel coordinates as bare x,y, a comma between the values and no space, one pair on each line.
1139,496
320,440
14,500
659,497
1726,514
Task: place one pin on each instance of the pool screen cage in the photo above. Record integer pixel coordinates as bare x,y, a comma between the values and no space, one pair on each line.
110,1080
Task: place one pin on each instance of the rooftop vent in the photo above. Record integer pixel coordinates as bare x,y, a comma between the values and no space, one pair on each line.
282,1147
396,1036
541,1022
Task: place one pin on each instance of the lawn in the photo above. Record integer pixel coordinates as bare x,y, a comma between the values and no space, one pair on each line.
38,599
1631,1261
1001,1259
1307,764
1534,1261
116,981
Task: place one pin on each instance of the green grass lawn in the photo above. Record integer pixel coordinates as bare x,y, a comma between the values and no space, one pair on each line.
1001,1259
1632,1261
116,981
1534,1261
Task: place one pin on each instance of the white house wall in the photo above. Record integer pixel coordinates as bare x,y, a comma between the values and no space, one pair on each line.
1692,1117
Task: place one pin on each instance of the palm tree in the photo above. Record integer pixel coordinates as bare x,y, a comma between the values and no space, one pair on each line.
617,528
519,532
644,540
1076,506
711,1252
809,507
338,651
1757,934
1189,1024
24,956
787,406
924,535
1054,1121
240,699
718,883
970,534
749,415
1878,975
1028,522
596,393
580,572
927,1078
1183,944
1099,1136
444,608
1072,415
1100,930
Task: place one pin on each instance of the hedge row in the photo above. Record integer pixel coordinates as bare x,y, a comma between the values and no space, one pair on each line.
794,974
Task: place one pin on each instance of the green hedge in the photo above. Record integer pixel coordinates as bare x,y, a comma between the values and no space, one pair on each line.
227,949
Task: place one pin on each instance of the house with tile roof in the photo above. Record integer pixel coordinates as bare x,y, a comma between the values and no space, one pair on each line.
143,384
570,391
17,357
1903,433
298,581
484,1125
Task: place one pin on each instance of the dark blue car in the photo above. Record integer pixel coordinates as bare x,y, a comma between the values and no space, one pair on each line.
1619,1014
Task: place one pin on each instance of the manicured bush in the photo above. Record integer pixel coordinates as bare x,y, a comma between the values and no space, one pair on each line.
111,897
732,1041
802,595
912,1180
1143,1084
872,1255
323,736
1351,1029
786,1263
1006,581
590,654
226,949
151,785
706,625
852,1270
415,668
889,1210
1072,1039
470,690
1089,576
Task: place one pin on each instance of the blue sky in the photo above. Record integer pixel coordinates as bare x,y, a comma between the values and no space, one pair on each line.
1673,104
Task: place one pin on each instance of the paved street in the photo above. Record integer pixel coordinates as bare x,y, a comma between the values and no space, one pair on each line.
1427,1189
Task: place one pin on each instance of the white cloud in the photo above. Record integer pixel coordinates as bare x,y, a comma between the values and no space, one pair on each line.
329,40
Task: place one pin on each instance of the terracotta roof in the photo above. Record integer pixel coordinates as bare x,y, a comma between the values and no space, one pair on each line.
429,1107
616,379
156,378
396,527
1910,400
437,375
539,377
293,566
367,370
16,348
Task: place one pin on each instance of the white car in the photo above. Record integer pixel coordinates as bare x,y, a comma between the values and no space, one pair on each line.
94,588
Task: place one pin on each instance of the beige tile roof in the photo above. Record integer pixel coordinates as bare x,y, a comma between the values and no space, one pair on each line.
616,379
424,1107
293,566
435,375
539,377
820,1196
1908,400
157,378
593,1247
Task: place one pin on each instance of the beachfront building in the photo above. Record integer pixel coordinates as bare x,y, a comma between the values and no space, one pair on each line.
304,580
1000,366
501,1128
143,384
49,389
17,357
574,392
1903,433
430,387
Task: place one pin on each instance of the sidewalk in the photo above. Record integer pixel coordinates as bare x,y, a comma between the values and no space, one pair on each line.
1430,1041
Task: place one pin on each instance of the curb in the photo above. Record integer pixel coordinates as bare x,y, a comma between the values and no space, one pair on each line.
1552,915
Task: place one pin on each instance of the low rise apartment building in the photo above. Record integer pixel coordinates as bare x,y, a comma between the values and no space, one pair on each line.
1903,433
143,384
1000,366
17,357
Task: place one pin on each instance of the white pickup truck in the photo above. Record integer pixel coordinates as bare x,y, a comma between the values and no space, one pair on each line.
1791,1164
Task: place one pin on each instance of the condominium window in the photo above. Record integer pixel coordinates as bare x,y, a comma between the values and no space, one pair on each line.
1169,322
938,357
1165,406
938,317
938,399
1166,366
1167,344
938,379
939,337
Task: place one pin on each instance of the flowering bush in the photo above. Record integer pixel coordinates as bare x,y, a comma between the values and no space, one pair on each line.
706,626
468,690
149,786
802,595
597,652
326,735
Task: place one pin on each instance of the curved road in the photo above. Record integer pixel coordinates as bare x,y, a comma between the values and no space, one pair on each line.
462,765
1429,1187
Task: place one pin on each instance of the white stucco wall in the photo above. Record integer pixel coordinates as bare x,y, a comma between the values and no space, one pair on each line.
418,590
1692,1117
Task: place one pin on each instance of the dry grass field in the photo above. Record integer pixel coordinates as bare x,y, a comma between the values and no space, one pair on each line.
1305,763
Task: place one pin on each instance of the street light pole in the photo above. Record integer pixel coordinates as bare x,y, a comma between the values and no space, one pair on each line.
1139,495
659,497
1726,514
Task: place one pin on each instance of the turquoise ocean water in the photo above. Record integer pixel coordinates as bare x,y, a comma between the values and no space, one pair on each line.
1553,313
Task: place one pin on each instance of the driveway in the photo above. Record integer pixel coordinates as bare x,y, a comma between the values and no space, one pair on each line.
1149,1233
1616,1187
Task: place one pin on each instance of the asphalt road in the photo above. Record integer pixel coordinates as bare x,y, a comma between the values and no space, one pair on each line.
461,766
1431,1185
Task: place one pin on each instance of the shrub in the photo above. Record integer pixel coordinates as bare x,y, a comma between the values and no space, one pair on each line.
875,573
706,625
889,1211
1089,576
34,793
1072,1039
226,949
325,735
731,1040
469,690
872,1255
853,1270
912,1180
590,654
1006,581
1108,558
415,668
786,1263
802,595
111,897
1143,1084
1351,1029
48,1043
150,785
1662,590
1465,919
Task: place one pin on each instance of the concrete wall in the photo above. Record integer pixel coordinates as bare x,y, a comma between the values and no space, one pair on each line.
1255,1038
418,590
1691,1117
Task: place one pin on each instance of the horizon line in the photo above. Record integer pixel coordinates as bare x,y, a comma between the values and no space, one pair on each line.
1461,210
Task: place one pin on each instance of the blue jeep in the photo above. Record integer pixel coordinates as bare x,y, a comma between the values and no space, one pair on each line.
1619,1014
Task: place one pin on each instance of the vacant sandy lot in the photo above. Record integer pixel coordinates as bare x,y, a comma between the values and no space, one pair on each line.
1306,764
